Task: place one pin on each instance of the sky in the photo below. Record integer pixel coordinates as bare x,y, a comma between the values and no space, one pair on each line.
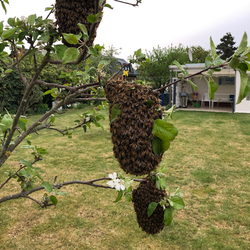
157,22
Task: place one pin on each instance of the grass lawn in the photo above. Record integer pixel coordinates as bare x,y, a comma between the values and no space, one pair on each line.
209,160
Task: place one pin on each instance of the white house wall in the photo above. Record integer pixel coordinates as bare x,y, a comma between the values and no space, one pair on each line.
244,106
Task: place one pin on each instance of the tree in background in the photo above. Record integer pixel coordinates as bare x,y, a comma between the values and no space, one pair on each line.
226,47
157,71
199,54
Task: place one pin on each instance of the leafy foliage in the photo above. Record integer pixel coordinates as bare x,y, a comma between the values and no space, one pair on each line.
157,71
11,92
226,48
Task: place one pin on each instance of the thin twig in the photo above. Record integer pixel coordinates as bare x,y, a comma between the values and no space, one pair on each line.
25,194
133,4
195,74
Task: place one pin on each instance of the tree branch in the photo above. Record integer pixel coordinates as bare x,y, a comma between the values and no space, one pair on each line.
25,194
195,74
133,4
90,99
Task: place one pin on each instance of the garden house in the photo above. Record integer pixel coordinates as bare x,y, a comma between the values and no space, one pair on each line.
228,80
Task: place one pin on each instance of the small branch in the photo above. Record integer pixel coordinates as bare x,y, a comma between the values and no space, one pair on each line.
72,89
133,4
195,74
10,177
18,65
51,11
16,173
25,194
117,73
90,99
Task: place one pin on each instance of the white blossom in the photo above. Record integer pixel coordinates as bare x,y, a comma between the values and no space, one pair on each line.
116,183
44,52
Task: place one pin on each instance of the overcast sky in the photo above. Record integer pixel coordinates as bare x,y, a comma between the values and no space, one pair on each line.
158,22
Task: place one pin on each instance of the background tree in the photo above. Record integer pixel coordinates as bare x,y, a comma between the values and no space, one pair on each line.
226,47
199,54
157,71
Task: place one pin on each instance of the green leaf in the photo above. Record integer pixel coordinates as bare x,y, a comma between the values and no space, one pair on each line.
108,6
212,88
11,21
52,118
1,27
63,193
243,67
60,50
151,208
157,183
47,186
177,202
164,130
47,92
168,217
7,71
84,128
213,49
26,163
119,196
45,37
157,146
31,54
163,183
70,55
53,199
83,28
170,111
31,19
234,63
24,173
243,86
149,103
70,38
3,6
163,168
242,45
48,8
93,51
8,33
128,197
194,85
21,124
178,192
185,73
115,112
208,62
41,151
98,124
92,18
31,171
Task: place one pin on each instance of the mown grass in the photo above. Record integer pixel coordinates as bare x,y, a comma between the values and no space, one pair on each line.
208,160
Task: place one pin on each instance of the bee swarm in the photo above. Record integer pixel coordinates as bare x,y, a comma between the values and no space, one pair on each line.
131,131
69,13
142,197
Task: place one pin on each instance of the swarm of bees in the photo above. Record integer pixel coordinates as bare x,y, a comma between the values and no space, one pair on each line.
69,13
131,131
142,197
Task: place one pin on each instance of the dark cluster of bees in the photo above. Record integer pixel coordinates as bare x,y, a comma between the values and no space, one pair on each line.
131,131
71,12
132,139
142,197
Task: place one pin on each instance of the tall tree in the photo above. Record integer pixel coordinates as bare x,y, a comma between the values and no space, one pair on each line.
199,54
226,47
157,71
